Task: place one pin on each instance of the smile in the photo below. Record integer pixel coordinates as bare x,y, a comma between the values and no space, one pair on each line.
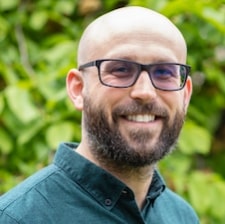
141,117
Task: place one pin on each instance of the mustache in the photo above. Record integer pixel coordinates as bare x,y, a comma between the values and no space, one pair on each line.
140,108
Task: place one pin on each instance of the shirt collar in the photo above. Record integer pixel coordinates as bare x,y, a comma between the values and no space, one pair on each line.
104,187
156,188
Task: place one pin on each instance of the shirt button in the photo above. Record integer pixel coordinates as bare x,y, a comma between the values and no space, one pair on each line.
108,202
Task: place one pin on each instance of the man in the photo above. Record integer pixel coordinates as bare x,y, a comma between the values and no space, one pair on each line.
133,88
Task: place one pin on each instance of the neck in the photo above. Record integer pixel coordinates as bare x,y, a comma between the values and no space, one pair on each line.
138,179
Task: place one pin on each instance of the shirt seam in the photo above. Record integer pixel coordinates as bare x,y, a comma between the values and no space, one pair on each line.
33,187
7,214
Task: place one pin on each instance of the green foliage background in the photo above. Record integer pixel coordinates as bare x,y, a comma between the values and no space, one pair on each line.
38,41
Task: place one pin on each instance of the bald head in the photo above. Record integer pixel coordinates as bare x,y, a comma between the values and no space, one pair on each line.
127,24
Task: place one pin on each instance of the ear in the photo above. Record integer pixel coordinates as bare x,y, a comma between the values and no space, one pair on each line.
187,92
74,85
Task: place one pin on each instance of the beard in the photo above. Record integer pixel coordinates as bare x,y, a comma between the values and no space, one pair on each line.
111,148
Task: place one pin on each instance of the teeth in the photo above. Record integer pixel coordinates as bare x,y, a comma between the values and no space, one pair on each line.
141,118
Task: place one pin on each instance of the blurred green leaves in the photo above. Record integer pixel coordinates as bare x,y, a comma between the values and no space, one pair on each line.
7,5
194,139
212,186
38,43
38,46
20,104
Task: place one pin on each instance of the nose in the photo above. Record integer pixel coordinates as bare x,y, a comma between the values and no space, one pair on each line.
143,90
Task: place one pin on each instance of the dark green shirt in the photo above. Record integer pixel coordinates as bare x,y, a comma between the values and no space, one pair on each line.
74,190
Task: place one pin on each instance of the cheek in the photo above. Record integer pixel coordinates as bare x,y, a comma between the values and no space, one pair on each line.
175,102
93,91
101,97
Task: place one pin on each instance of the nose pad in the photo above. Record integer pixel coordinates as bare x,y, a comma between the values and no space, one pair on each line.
143,88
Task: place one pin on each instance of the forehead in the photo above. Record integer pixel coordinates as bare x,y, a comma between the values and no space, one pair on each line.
131,31
143,49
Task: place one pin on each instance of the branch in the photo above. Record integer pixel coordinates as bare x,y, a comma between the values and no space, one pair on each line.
23,50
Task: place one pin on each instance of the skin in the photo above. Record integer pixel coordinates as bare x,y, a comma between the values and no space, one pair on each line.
140,35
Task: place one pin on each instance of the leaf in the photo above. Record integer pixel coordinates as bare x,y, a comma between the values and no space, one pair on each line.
20,103
30,132
207,189
2,104
9,4
38,19
4,26
65,7
217,19
6,144
59,51
60,132
194,139
199,192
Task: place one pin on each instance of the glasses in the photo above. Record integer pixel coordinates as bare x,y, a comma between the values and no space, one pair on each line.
123,73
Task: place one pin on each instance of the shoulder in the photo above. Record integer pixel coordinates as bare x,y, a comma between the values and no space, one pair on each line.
174,204
177,200
13,204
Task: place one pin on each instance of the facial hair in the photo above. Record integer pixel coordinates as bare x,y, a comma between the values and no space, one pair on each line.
109,146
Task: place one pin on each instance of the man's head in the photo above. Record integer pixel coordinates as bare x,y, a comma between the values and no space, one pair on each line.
137,125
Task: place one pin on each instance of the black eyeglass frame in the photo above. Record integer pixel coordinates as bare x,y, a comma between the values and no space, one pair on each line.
142,67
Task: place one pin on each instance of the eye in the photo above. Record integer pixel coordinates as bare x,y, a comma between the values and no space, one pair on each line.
119,69
122,69
164,72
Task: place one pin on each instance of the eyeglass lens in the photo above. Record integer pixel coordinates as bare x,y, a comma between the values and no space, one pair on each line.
124,74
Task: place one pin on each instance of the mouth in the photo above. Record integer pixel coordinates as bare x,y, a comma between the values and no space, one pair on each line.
144,118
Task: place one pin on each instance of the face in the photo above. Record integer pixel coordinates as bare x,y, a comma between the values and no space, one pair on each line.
135,146
135,126
139,125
